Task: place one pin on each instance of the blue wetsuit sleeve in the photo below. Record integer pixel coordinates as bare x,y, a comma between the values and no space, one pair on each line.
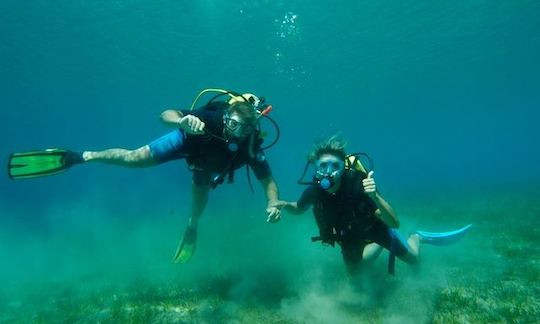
307,199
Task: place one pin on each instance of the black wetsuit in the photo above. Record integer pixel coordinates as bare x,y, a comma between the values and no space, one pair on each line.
347,217
208,155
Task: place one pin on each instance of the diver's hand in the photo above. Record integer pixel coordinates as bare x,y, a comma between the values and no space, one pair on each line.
273,210
370,188
191,124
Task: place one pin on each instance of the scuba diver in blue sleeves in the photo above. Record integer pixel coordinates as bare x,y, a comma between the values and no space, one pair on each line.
215,139
350,211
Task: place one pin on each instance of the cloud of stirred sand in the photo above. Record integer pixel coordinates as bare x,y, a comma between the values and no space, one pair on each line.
270,266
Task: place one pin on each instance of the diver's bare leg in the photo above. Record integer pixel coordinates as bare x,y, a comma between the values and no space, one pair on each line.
371,252
187,244
140,157
200,199
414,249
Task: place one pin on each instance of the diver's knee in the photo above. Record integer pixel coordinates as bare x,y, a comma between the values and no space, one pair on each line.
371,252
411,258
141,155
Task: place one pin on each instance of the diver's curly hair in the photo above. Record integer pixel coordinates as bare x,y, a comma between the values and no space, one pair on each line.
334,145
245,110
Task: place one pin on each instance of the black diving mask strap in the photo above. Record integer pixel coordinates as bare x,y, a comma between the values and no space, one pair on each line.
301,180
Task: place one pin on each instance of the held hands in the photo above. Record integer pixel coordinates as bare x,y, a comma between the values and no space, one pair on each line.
191,124
369,185
274,210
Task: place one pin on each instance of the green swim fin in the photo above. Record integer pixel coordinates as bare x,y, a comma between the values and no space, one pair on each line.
187,246
35,164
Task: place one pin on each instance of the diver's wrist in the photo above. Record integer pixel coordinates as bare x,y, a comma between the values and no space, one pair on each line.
272,202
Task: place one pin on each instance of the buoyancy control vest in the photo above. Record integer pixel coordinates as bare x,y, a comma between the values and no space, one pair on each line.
349,210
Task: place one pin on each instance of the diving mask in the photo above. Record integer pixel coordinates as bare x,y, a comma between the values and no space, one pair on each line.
236,127
328,171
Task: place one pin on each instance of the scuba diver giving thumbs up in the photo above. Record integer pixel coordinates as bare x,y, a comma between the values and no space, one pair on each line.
351,212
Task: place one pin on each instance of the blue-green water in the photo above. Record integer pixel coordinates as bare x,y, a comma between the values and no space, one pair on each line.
443,95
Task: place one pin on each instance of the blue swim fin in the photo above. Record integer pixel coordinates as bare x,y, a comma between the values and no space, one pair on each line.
443,238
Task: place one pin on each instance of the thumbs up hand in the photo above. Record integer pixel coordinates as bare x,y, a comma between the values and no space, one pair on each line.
370,188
